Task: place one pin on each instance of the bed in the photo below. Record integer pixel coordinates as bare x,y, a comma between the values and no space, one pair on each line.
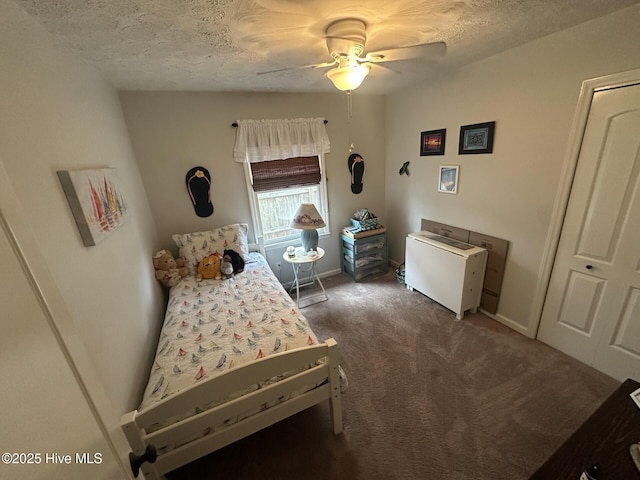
234,356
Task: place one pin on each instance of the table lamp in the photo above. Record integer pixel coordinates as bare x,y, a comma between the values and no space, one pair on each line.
308,220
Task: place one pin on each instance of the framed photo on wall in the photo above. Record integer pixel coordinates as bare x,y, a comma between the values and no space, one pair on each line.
432,142
448,178
476,138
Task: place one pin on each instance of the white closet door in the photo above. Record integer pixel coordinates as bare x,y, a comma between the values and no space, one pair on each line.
592,309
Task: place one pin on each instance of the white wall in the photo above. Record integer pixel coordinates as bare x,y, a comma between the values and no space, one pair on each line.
58,114
40,392
172,132
531,93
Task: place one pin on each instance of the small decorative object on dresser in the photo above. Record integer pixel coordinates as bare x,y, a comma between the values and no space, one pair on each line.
364,220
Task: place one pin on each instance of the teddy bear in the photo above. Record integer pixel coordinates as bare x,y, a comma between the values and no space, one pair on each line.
169,270
235,259
226,268
209,267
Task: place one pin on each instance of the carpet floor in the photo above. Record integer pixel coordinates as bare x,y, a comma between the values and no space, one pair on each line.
430,397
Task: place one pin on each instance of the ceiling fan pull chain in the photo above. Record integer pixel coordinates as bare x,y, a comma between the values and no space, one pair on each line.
349,114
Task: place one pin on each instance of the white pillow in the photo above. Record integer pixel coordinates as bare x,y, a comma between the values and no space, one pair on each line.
195,246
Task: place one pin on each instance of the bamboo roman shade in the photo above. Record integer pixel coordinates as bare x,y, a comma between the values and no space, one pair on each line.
290,172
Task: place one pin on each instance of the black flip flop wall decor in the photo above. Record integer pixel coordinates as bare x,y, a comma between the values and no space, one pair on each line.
199,185
357,169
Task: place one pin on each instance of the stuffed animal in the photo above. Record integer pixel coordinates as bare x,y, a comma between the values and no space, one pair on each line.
236,260
209,267
169,270
226,268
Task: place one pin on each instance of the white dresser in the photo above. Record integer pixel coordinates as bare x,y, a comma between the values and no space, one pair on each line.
446,270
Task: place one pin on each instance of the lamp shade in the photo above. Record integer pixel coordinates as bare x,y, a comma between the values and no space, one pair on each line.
307,218
348,77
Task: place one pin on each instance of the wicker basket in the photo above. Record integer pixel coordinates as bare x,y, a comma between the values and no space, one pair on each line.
400,274
368,224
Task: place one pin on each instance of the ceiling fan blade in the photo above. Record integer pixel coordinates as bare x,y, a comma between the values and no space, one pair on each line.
425,50
377,67
315,65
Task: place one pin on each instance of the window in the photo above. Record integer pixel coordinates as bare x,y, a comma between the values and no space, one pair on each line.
276,190
284,167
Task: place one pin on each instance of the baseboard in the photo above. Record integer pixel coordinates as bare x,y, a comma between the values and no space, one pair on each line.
330,273
507,322
322,275
394,264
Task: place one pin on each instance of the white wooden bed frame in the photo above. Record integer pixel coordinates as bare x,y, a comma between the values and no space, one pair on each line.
135,424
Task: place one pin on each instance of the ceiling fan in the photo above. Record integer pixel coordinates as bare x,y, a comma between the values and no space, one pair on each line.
346,40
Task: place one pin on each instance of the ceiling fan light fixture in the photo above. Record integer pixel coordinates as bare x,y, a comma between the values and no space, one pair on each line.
348,77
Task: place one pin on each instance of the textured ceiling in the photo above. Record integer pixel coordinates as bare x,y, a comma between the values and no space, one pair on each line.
221,45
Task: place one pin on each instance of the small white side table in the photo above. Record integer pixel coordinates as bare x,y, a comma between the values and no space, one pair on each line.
298,262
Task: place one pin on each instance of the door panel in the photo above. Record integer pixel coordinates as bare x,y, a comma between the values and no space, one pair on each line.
576,312
613,180
592,308
627,335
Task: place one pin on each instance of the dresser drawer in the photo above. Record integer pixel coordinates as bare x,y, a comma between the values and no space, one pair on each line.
372,270
362,261
362,245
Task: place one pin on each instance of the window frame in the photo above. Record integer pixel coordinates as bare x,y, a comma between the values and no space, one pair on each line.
294,239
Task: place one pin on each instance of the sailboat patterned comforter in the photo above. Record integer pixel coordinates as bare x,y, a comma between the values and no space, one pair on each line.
214,325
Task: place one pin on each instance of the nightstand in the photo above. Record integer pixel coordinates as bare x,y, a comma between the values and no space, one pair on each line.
302,263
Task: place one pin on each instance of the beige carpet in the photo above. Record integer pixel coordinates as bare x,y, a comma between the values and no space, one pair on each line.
430,397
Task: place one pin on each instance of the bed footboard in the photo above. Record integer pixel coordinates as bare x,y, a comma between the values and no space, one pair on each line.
311,375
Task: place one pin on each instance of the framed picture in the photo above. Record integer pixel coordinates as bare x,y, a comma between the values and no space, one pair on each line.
96,201
432,142
477,138
448,178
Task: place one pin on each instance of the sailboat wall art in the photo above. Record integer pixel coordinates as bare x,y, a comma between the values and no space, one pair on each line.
96,201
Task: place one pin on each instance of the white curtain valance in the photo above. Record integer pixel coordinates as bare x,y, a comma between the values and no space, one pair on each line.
279,139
